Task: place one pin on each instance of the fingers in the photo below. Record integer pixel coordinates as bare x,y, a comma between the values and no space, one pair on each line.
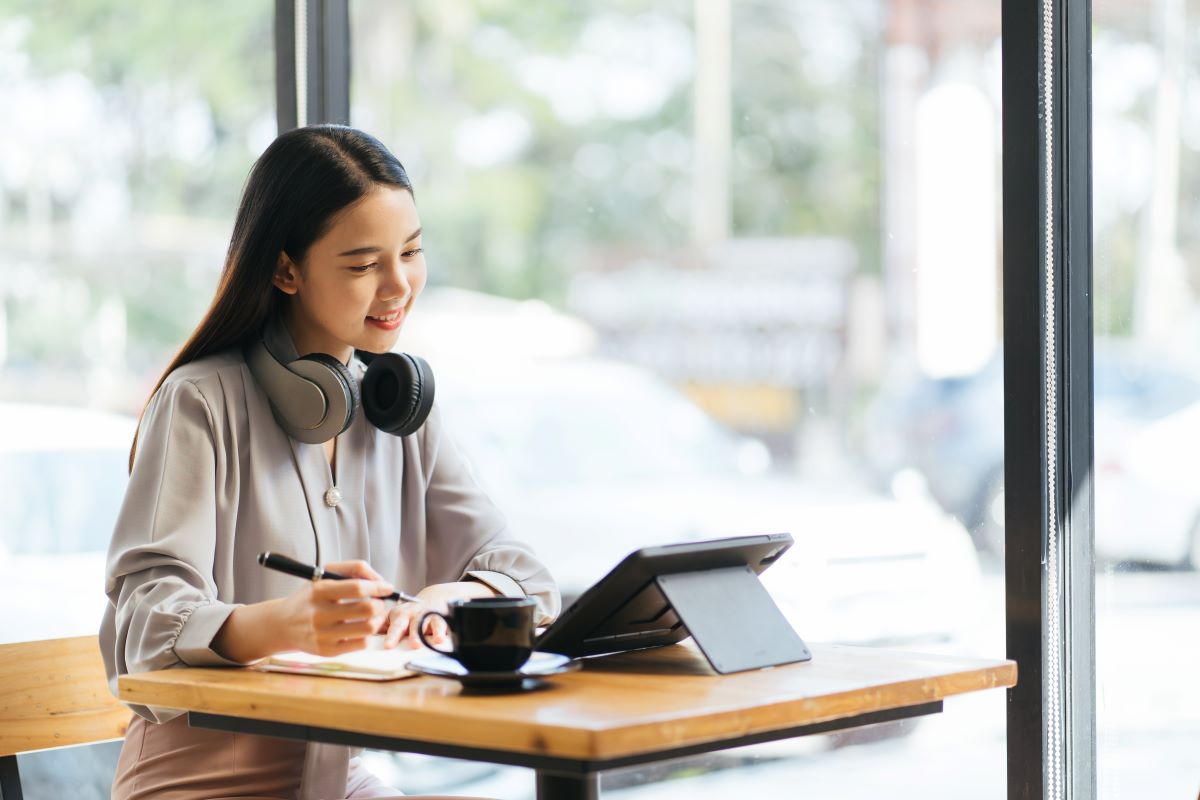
334,633
402,625
331,617
354,569
350,610
398,622
347,622
335,647
346,629
435,630
337,591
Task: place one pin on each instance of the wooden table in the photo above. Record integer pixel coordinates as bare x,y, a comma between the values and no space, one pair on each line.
618,711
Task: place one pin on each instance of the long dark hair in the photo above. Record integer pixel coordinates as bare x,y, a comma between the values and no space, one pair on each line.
297,186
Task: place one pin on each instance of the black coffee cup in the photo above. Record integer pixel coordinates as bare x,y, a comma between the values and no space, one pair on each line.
488,634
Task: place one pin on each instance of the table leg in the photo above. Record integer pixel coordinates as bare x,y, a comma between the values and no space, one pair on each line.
557,786
10,779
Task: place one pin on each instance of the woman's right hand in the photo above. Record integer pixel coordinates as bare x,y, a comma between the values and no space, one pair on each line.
332,617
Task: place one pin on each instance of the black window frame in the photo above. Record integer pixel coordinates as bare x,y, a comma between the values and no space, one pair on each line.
325,68
1052,711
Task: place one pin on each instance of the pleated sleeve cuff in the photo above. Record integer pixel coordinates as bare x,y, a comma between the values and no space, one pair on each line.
194,643
498,582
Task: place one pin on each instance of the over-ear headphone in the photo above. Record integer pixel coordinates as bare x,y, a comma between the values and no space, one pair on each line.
316,397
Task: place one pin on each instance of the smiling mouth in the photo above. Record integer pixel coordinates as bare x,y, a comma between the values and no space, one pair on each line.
389,318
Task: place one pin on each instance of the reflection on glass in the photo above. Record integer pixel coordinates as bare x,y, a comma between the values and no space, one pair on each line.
1146,139
724,268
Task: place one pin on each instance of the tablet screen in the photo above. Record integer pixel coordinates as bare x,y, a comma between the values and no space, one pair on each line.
626,609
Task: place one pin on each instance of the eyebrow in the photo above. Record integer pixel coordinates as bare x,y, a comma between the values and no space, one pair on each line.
361,251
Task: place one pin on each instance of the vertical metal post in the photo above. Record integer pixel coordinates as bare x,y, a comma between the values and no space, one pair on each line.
312,62
10,779
1077,376
328,61
1048,397
553,786
285,65
1024,477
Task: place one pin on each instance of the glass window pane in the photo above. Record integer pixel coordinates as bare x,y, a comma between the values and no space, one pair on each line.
1146,60
702,269
129,129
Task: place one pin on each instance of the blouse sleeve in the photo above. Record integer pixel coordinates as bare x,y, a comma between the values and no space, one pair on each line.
469,536
163,609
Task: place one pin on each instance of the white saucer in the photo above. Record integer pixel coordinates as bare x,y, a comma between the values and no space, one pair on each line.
539,665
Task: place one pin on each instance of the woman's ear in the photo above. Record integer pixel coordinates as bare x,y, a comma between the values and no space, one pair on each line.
286,274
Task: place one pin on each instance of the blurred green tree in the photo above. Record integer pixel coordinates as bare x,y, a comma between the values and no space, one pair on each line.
147,116
551,138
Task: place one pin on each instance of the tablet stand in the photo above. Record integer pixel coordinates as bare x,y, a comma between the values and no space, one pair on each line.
733,619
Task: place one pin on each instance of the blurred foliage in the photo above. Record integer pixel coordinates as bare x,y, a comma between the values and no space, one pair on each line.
1129,66
807,138
1114,261
146,60
586,108
544,138
171,102
596,180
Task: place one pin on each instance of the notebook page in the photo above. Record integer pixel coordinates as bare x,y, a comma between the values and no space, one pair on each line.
370,663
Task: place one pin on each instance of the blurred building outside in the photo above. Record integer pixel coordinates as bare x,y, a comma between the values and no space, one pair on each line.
755,330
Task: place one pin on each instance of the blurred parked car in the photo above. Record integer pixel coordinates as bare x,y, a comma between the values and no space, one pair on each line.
951,430
592,459
62,480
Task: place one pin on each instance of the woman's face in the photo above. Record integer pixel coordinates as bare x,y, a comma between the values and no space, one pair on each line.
356,284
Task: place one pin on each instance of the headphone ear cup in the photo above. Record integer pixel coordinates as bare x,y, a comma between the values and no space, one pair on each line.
346,384
397,392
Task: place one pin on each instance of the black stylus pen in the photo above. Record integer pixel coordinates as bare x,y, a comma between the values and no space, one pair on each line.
293,567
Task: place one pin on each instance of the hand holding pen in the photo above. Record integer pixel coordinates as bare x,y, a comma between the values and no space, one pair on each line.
324,617
291,566
399,624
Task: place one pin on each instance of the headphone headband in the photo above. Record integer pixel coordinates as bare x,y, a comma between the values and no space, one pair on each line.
316,397
299,400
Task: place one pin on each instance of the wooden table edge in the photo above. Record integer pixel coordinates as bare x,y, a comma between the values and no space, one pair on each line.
615,741
732,723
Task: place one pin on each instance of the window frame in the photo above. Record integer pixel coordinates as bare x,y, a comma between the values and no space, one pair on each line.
1049,458
323,71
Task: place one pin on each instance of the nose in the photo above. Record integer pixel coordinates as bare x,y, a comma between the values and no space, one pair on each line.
398,283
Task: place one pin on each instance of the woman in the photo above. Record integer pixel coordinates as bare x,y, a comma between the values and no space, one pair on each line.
325,258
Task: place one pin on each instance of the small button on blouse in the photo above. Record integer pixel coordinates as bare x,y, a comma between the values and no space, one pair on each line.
333,496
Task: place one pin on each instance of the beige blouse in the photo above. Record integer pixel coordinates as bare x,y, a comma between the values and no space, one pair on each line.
216,481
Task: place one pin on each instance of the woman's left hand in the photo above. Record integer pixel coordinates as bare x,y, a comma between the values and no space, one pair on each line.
402,621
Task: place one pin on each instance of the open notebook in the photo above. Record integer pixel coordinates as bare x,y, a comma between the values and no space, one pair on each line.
371,664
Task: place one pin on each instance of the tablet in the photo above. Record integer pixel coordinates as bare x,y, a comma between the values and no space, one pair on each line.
627,609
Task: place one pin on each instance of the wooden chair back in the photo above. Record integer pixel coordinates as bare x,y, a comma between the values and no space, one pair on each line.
54,693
